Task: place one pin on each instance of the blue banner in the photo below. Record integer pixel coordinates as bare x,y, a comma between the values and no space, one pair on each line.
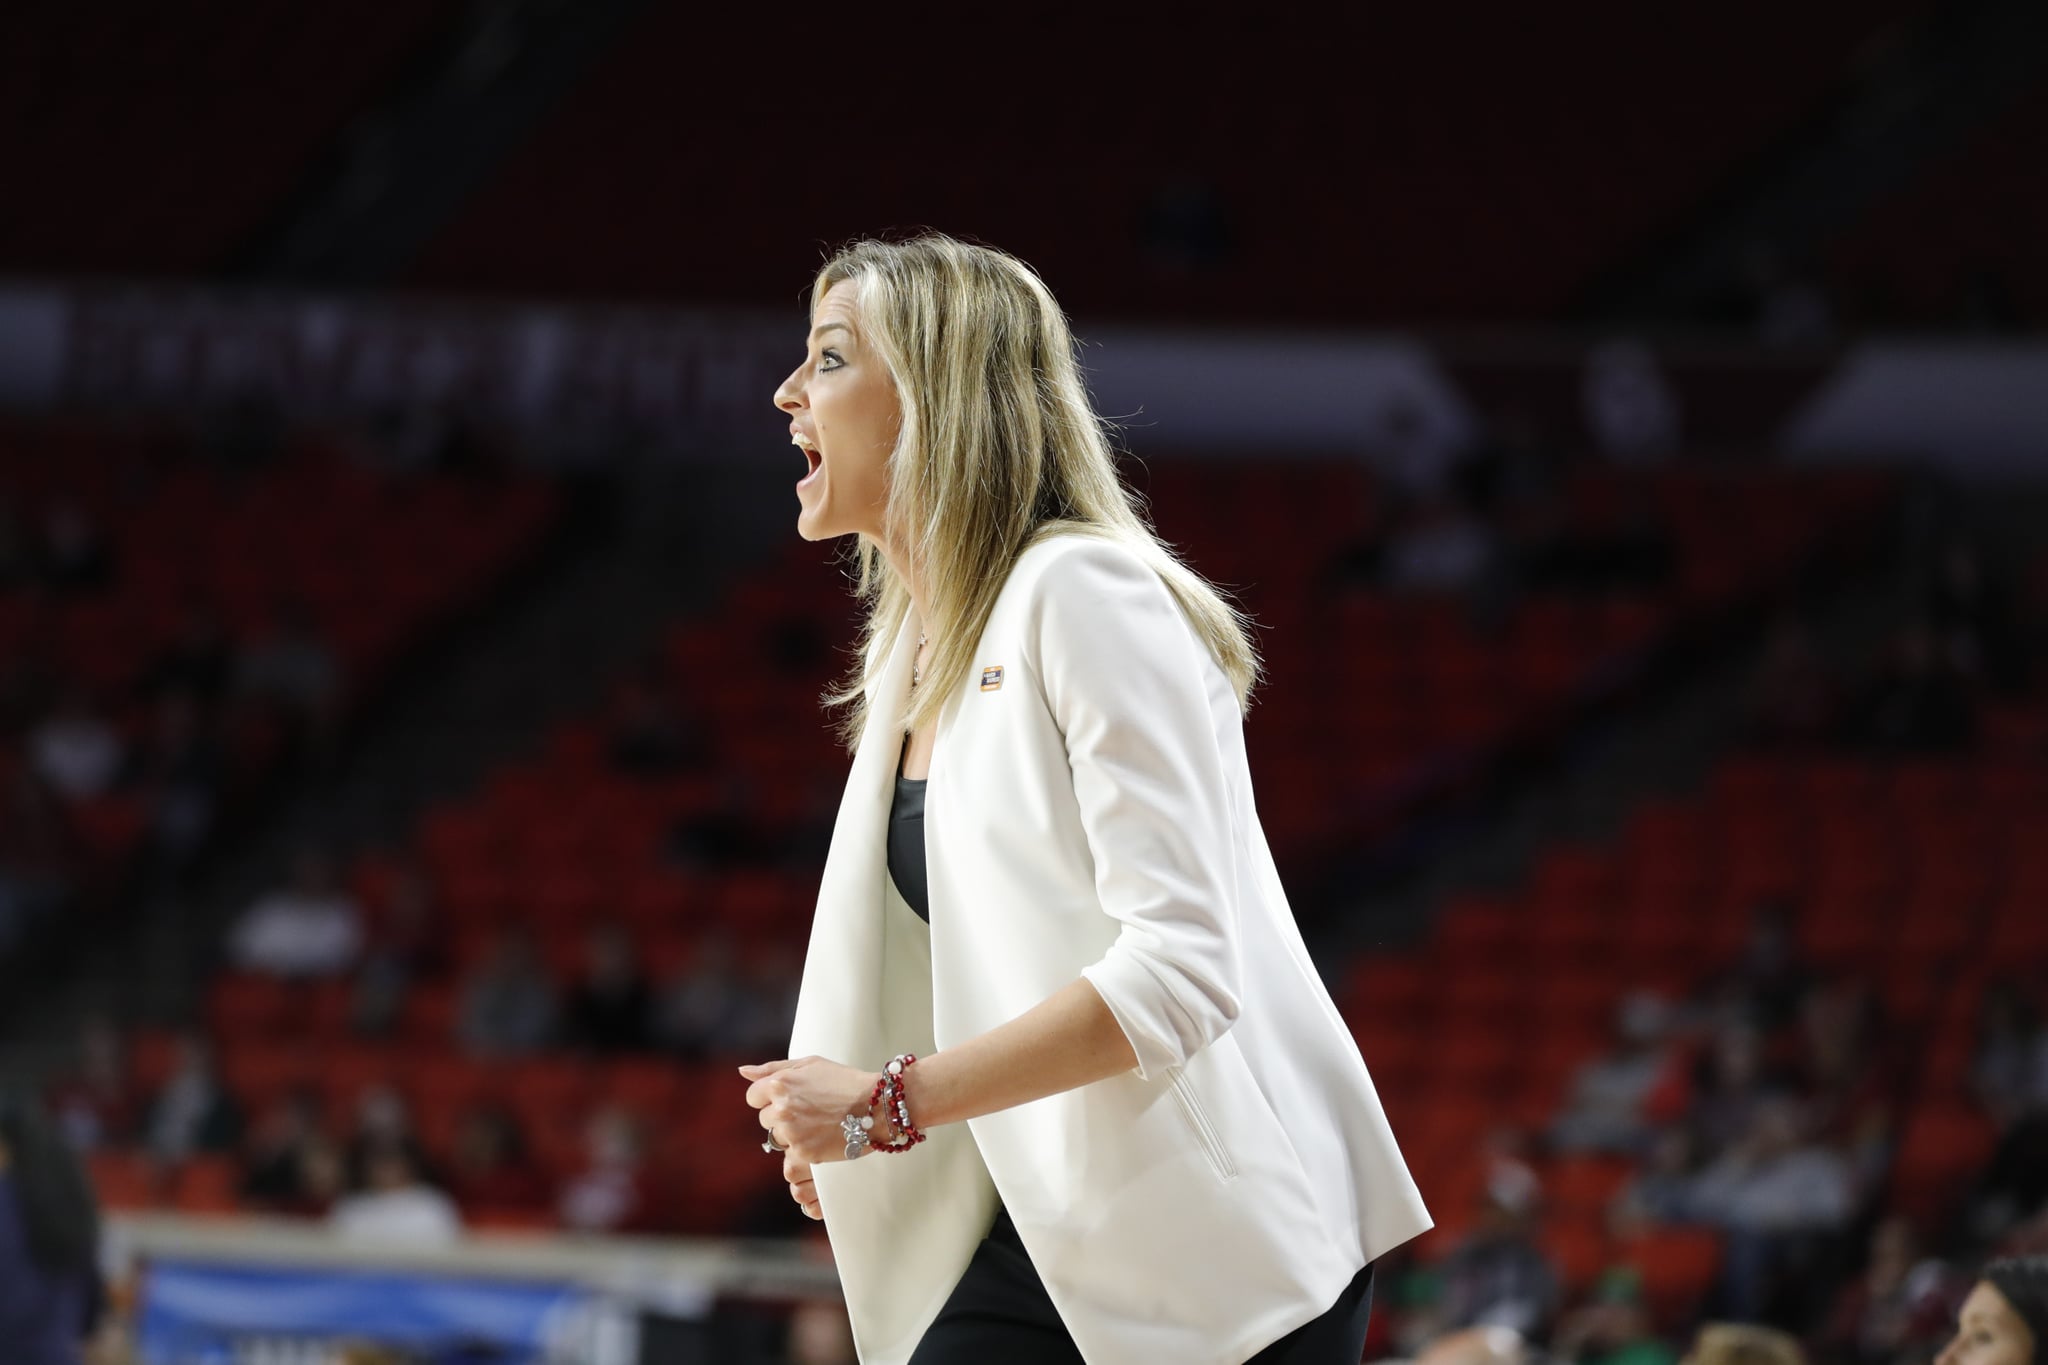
199,1314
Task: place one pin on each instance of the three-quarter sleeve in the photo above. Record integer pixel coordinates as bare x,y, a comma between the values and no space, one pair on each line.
1127,677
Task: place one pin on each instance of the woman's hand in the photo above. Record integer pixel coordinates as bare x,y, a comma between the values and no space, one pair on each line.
802,1188
802,1102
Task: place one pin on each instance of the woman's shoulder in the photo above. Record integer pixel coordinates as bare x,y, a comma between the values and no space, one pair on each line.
1078,561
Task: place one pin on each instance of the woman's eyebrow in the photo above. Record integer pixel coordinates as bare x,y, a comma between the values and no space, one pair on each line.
823,328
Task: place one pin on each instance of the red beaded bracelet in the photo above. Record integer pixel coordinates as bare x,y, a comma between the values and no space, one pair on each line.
898,1110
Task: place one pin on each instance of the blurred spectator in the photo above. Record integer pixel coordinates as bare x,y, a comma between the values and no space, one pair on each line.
649,735
179,770
1843,1077
38,855
1972,612
1779,1196
508,1003
1498,1276
1613,1329
74,555
821,1334
1920,701
1794,699
1442,547
1898,1302
614,1191
323,1177
199,660
77,750
383,1123
1731,1087
1766,981
2010,1068
1728,1343
293,668
1630,406
274,1160
193,1112
1605,1109
707,1009
96,1105
406,944
490,1167
608,1008
310,927
396,1207
51,1294
1661,1190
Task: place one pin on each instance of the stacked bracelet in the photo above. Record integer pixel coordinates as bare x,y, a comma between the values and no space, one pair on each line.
888,1091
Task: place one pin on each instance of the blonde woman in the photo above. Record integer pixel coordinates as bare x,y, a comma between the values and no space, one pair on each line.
1065,1084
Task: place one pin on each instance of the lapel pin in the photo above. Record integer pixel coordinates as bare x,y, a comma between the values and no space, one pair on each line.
991,677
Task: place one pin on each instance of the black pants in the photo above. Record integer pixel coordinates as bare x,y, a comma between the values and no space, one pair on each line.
1000,1314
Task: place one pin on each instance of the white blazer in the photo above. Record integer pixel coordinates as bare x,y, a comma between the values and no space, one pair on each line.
1089,812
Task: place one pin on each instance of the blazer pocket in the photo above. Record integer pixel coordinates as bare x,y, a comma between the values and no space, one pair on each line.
1198,1122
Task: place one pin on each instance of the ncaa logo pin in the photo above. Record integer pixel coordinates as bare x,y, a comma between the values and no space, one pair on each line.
991,677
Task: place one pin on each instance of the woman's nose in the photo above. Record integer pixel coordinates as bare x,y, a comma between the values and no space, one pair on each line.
786,398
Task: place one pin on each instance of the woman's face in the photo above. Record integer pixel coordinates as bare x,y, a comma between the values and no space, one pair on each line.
1988,1332
840,400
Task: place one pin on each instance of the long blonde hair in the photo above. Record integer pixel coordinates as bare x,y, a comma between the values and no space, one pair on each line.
999,448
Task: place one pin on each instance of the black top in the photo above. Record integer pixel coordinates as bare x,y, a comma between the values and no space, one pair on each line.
906,840
906,869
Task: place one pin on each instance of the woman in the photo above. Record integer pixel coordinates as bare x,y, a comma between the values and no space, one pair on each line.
1151,1136
2005,1319
49,1242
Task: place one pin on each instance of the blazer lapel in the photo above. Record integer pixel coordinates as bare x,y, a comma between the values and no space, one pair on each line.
837,1007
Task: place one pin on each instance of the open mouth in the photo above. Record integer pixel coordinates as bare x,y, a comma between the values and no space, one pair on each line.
812,464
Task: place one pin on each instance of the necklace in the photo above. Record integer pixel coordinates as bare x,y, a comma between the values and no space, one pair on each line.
916,668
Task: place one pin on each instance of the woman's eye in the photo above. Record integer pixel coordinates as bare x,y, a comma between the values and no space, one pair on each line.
831,356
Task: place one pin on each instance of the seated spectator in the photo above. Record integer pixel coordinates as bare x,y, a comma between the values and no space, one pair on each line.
1613,1329
1899,1304
1605,1112
38,856
76,749
649,735
396,1207
1779,1196
310,927
708,1009
614,1192
1794,699
96,1106
1498,1276
406,944
609,1006
508,1002
179,769
1840,1075
1767,980
294,669
274,1161
2010,1069
1920,702
1661,1190
193,1112
490,1168
1731,1087
383,1123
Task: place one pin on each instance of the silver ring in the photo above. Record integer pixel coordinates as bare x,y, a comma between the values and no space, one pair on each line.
770,1145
